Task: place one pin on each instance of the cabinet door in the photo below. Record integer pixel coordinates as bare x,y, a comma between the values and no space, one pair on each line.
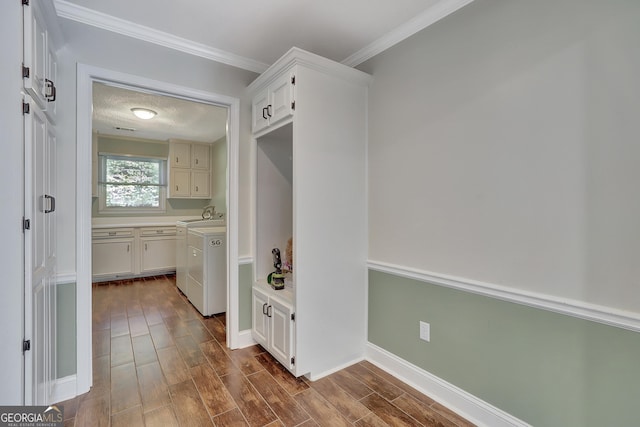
112,257
259,111
200,156
180,183
180,153
260,323
51,109
35,53
200,185
280,333
157,254
281,98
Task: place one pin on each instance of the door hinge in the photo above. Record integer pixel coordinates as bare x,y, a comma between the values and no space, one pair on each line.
25,72
26,345
293,80
293,316
293,105
25,108
25,2
293,360
26,224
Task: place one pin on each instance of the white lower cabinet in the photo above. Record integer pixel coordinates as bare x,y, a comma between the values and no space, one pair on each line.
157,249
113,257
132,251
273,325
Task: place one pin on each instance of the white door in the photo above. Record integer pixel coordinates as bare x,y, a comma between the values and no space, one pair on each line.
40,258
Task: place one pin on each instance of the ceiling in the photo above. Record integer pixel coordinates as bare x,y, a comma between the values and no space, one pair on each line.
176,118
247,34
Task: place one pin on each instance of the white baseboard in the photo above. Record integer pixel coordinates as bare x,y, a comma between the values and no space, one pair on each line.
335,369
454,398
245,339
64,389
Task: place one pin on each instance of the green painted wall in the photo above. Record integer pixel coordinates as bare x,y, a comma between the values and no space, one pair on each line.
245,283
545,368
66,338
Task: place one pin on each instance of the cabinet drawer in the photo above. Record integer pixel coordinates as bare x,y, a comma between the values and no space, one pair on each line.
111,233
158,231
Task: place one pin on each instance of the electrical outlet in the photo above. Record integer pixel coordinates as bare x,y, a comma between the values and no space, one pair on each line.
425,331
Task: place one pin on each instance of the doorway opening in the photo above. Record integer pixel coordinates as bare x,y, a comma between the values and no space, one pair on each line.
88,79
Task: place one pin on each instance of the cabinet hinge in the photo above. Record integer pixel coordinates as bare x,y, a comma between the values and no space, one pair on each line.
293,317
293,360
26,109
293,105
26,345
25,72
26,224
25,2
293,80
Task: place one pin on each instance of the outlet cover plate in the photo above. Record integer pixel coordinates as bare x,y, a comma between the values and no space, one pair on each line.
425,331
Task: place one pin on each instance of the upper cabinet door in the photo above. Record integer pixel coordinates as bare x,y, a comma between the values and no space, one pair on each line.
260,110
282,103
180,153
200,156
35,55
274,103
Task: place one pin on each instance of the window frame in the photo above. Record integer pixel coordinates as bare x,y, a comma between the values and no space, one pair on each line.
102,185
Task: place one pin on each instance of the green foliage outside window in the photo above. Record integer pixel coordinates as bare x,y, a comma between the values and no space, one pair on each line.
132,182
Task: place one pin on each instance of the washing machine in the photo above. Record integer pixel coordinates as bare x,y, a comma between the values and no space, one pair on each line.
206,267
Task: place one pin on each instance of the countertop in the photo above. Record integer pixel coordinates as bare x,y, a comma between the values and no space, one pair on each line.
117,222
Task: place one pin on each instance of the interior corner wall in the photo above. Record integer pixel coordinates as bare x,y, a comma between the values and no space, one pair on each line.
503,149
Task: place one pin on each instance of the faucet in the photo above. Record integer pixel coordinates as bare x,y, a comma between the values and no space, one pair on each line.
209,212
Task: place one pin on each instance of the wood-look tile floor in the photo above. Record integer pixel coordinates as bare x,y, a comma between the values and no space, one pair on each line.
158,362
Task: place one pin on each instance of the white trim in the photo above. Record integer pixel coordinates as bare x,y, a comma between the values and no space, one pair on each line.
86,75
65,278
320,375
87,16
596,313
430,16
245,339
465,404
64,389
245,260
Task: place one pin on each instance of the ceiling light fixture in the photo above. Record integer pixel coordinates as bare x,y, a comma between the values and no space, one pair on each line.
144,113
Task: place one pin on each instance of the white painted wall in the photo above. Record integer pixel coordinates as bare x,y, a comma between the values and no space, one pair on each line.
11,205
103,49
503,148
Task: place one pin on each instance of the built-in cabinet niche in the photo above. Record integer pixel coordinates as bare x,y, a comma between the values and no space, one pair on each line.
309,131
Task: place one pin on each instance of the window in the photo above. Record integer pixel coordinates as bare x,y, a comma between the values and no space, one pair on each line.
132,184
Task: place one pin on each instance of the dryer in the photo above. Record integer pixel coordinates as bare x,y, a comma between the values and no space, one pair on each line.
207,269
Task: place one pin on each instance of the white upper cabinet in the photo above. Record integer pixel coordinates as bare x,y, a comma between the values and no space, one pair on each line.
200,156
189,170
180,154
40,66
274,103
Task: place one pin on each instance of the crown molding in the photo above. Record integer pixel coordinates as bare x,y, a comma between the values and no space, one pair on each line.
96,19
430,16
